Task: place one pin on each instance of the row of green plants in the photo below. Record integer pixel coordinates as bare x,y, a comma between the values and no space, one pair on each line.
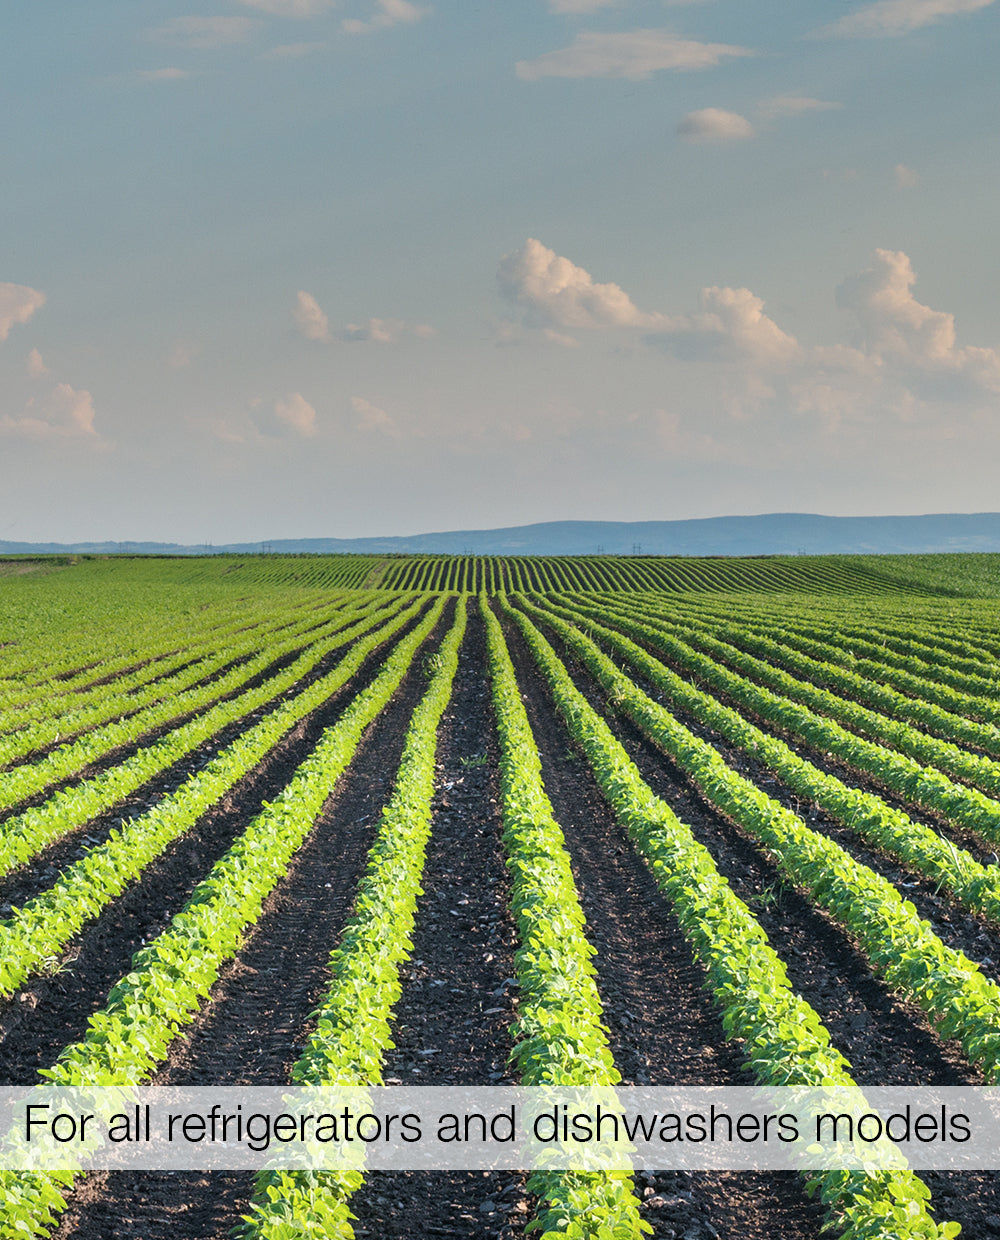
28,779
560,1037
925,786
353,1020
36,933
193,667
942,654
958,999
925,684
976,886
817,672
119,646
782,1036
171,977
24,835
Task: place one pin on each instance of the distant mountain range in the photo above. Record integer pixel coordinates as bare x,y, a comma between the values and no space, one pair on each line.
777,533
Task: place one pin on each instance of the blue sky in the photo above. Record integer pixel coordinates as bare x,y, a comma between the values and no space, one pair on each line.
292,268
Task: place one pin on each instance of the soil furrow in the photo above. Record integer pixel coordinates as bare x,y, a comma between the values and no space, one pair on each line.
53,1010
886,1038
257,1017
40,872
122,753
959,929
663,1024
452,1022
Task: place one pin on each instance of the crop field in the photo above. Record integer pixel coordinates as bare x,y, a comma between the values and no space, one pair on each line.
432,820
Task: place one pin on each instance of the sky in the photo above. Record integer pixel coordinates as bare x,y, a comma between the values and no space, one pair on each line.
334,268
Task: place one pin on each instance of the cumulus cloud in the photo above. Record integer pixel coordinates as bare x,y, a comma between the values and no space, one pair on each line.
905,178
634,54
18,303
793,105
898,17
205,33
62,413
290,8
714,125
310,321
35,365
297,414
557,293
387,13
169,74
729,327
900,331
371,417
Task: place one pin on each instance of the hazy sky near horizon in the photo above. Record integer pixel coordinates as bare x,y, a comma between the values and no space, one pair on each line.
307,268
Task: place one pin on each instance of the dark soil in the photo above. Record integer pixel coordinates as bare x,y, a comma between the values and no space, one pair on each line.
663,1025
38,874
52,1011
452,1021
257,1018
887,1039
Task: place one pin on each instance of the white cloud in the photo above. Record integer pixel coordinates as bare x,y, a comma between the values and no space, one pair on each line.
897,17
18,303
900,331
388,13
296,413
35,365
371,417
714,125
291,8
64,412
204,33
634,54
557,293
309,318
170,74
793,105
905,178
730,327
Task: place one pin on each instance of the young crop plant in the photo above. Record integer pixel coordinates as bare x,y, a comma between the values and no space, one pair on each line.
784,1039
22,836
955,870
172,975
46,924
353,1020
560,1029
959,1000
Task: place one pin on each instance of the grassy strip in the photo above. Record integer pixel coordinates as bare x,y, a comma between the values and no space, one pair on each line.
352,1029
955,995
172,975
24,835
561,1039
784,1039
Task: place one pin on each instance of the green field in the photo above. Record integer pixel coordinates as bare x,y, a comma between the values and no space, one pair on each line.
797,760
